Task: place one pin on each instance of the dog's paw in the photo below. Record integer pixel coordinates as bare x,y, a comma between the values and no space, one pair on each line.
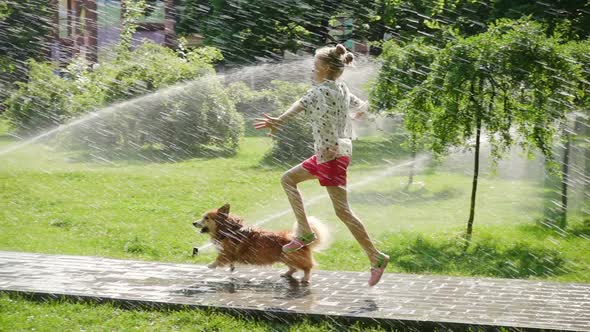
212,265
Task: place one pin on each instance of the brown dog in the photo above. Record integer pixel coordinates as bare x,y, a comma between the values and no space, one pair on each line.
236,243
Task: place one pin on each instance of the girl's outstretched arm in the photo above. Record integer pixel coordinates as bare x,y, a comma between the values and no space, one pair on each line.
359,105
273,123
296,108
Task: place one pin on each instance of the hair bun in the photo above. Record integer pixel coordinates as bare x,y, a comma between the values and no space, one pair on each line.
348,58
340,49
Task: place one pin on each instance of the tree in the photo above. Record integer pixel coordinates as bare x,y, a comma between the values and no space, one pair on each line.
405,20
27,28
403,68
512,77
194,117
247,29
250,29
572,133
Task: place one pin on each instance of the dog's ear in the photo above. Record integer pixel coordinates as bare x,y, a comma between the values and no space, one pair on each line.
224,210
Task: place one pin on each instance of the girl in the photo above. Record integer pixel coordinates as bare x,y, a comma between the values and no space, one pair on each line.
327,105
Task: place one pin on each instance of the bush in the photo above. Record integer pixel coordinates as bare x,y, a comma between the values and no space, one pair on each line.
195,116
294,141
42,102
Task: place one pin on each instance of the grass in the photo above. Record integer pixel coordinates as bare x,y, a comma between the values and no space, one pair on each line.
19,314
51,202
144,210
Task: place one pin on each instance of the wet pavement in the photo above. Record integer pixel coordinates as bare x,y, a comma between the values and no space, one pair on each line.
416,302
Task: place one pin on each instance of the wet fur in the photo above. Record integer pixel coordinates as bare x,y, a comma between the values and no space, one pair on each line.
237,243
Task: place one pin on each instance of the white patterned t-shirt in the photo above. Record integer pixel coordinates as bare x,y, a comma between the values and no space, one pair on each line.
327,106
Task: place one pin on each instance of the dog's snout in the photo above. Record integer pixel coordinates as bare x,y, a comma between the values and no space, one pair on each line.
196,224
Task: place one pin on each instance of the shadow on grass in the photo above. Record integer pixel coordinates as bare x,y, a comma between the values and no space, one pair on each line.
5,138
146,156
373,150
544,228
485,257
581,229
402,196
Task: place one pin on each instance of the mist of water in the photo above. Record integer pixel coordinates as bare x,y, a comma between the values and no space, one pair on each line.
94,124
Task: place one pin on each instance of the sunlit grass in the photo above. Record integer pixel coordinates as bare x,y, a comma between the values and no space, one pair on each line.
53,203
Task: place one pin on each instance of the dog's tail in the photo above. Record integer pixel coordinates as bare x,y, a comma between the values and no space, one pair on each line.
322,232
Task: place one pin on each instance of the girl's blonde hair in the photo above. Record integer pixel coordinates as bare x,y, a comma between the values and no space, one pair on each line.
336,57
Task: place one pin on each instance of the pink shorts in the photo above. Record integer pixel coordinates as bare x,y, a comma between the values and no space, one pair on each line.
330,173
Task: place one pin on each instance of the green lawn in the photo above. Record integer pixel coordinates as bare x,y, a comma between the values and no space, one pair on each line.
19,314
52,203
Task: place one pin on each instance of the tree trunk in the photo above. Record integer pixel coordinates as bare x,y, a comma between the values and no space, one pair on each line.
412,168
475,177
169,20
91,27
562,221
584,132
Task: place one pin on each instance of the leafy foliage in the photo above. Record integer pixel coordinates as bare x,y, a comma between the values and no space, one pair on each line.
294,140
247,30
403,69
244,30
579,52
42,102
509,77
178,119
134,11
405,20
24,26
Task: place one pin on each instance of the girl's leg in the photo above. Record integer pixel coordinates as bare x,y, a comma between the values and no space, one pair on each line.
289,180
339,199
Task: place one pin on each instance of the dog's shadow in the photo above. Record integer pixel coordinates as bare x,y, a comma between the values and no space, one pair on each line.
286,288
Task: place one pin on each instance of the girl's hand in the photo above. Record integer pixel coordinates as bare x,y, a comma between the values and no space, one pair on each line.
268,122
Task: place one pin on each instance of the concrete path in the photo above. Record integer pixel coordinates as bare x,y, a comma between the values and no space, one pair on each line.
415,302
